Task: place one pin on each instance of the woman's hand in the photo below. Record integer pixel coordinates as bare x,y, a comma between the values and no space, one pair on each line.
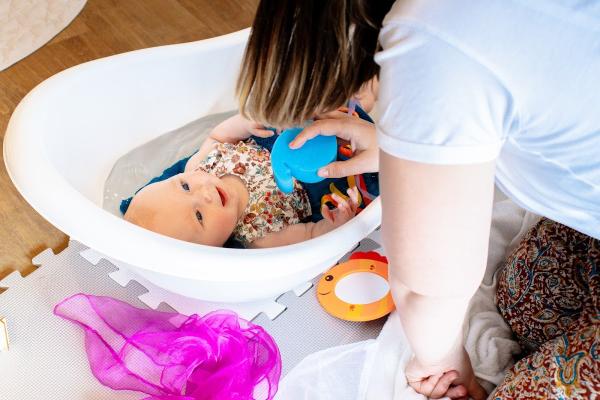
455,379
360,134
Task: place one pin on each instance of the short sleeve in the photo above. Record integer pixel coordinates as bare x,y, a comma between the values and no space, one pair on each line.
437,104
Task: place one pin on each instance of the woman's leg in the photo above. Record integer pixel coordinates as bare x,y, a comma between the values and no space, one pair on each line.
549,294
550,284
566,367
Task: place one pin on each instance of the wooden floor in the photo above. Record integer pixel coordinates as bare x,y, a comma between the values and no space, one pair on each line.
103,28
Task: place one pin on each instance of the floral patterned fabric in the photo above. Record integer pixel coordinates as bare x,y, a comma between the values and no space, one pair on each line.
549,294
269,209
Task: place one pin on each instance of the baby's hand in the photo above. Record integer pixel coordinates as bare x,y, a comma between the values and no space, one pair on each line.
237,128
258,129
345,210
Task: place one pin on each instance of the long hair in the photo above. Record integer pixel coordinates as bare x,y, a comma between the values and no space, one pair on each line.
308,56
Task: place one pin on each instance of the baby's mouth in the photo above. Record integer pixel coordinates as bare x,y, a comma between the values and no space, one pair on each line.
222,196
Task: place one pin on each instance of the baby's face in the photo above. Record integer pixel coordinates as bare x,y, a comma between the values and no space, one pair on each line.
192,206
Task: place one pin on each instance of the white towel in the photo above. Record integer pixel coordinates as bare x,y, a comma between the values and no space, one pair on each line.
374,369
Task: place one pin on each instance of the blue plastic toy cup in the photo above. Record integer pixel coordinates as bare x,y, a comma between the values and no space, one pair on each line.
302,163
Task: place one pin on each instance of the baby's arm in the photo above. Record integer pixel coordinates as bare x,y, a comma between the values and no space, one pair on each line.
232,130
345,210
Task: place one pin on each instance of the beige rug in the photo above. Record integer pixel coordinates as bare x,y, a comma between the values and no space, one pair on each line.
26,25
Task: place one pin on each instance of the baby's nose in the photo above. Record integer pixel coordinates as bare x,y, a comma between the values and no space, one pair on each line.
206,194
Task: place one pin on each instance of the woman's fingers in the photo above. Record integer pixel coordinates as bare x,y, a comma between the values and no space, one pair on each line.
325,127
366,161
426,385
443,384
360,134
457,383
440,385
458,392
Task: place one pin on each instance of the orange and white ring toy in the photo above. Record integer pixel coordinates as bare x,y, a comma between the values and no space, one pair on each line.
353,312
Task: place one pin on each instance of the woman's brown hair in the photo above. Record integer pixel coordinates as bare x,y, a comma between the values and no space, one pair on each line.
308,56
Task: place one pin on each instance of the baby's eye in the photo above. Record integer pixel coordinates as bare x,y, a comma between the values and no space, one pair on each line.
185,186
199,216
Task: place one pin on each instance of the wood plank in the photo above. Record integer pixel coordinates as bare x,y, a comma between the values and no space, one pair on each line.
104,27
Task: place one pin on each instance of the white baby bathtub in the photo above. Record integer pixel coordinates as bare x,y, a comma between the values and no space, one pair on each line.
67,133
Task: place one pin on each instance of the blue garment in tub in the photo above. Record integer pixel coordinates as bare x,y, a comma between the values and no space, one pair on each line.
173,170
315,191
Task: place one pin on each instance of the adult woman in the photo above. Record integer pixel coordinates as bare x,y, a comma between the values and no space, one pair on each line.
468,93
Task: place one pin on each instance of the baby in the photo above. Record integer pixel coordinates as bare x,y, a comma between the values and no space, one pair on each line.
227,190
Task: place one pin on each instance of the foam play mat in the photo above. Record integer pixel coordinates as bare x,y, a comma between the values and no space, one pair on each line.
47,359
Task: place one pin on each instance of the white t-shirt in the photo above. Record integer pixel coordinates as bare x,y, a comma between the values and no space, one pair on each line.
518,80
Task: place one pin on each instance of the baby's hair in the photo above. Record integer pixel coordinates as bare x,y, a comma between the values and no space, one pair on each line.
307,56
233,243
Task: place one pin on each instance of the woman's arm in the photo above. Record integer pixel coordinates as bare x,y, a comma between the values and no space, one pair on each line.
435,224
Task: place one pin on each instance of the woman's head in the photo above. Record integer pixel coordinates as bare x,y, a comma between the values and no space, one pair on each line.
308,56
193,206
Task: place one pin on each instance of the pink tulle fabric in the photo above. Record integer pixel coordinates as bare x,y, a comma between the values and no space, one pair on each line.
170,356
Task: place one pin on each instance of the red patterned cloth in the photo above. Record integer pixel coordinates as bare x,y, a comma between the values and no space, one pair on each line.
549,294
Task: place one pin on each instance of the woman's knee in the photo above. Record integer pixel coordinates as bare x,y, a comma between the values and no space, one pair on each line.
565,367
547,284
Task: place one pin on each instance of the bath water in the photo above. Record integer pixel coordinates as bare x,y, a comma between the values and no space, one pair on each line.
134,169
